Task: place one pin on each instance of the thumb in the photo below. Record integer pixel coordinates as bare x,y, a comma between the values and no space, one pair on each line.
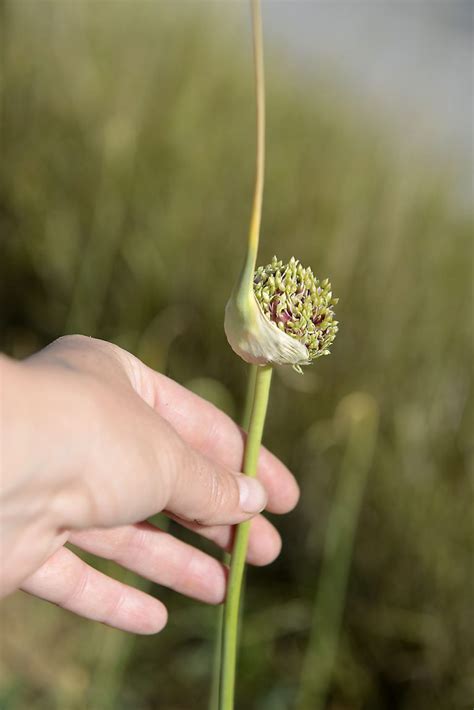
205,492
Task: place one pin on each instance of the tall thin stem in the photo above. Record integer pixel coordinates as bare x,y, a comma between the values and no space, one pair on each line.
216,663
249,396
263,376
245,282
232,604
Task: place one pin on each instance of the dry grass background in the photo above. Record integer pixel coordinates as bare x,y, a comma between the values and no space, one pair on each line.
126,176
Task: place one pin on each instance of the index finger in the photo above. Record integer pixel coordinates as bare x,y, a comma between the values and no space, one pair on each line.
210,431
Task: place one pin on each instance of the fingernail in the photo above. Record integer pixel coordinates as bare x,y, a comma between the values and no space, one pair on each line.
253,497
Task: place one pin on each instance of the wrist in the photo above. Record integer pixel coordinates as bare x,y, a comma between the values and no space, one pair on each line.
31,486
35,425
15,421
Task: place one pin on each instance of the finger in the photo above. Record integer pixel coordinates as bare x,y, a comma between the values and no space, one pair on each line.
198,422
264,540
141,465
160,557
67,581
203,491
214,434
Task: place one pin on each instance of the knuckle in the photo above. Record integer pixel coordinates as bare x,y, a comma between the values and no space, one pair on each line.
120,541
205,491
216,495
180,577
77,588
69,340
115,602
132,542
222,493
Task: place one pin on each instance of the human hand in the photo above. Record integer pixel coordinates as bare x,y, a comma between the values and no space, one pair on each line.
94,443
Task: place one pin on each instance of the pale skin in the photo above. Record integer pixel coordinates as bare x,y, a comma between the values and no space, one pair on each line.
94,442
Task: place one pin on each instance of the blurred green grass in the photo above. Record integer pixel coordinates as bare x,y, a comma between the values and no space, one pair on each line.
125,184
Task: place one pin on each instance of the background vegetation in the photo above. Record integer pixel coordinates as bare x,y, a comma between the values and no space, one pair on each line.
126,175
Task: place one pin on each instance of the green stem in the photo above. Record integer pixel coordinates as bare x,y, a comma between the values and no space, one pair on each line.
239,553
245,282
258,388
216,663
249,397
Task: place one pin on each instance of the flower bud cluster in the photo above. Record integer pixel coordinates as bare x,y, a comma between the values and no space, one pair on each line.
290,296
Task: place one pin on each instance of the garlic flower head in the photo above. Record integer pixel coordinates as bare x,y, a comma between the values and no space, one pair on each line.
287,320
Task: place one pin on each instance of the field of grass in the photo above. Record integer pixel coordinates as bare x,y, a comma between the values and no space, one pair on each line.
125,187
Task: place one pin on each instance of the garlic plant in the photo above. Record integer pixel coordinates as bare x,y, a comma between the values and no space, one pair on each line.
278,314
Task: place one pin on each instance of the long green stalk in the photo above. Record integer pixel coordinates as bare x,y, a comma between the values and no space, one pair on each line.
245,284
257,393
249,397
232,604
216,663
256,403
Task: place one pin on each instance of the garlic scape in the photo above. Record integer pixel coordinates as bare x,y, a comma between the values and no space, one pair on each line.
278,314
284,316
